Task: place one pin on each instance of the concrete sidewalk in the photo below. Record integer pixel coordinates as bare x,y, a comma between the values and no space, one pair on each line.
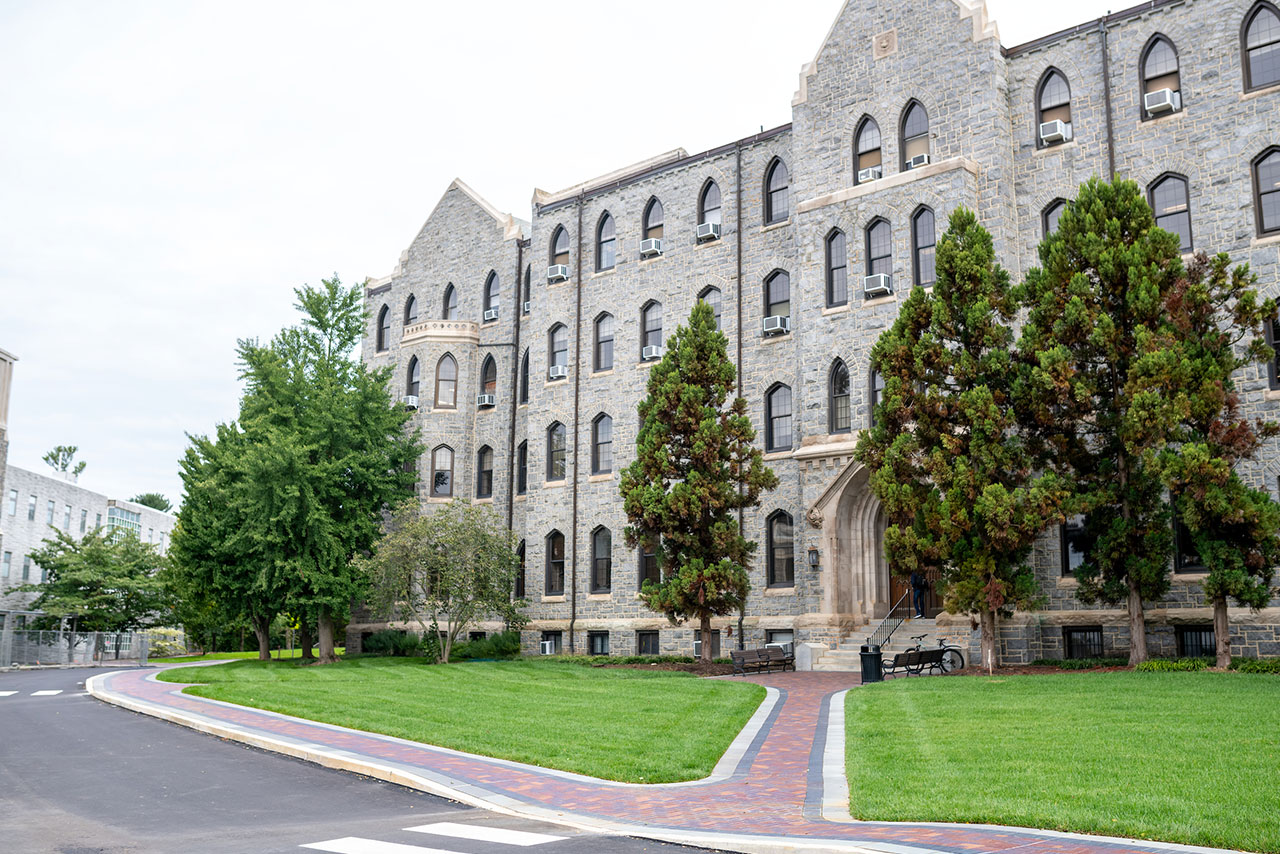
779,788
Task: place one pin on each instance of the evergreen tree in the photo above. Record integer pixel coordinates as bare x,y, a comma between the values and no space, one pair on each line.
154,500
1097,316
946,450
695,467
1234,529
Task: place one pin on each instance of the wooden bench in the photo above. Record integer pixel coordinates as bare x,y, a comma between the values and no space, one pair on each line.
914,661
761,660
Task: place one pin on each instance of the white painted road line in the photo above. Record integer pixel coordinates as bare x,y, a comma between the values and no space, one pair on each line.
45,693
356,845
482,833
7,693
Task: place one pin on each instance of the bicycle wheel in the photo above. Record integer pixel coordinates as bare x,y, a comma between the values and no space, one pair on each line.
952,660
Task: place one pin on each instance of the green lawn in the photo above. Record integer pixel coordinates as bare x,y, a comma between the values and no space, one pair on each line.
230,656
618,724
1179,757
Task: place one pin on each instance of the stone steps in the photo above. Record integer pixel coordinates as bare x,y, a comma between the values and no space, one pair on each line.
847,656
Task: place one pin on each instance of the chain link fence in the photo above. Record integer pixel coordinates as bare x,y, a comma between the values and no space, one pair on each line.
30,647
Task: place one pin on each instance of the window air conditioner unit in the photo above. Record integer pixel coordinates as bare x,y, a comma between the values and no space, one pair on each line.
410,401
557,372
650,247
708,231
777,325
548,647
557,273
697,649
871,173
1055,131
650,353
876,286
486,400
1162,101
528,304
490,314
918,161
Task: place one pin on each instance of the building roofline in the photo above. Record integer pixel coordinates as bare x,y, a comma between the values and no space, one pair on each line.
6,356
1089,26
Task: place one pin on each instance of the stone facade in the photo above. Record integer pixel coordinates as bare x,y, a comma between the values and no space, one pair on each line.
984,152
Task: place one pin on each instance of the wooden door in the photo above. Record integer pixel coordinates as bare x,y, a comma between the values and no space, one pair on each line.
899,585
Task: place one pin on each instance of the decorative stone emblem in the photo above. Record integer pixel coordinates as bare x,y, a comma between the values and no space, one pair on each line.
885,44
814,517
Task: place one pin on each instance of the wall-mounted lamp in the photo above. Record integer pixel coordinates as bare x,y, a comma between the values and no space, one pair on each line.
813,557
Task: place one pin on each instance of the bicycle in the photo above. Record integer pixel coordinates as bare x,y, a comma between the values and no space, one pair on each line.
951,660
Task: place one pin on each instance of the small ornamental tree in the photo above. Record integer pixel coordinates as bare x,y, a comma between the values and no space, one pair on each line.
1097,317
695,467
444,570
61,459
1235,529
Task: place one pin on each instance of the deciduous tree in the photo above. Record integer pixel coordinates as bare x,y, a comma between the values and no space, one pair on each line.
61,458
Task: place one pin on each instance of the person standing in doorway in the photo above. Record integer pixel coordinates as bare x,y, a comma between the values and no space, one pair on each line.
919,584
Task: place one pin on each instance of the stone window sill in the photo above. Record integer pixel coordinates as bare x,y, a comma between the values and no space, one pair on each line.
871,303
774,226
1255,93
1265,240
600,478
836,309
553,484
778,455
552,599
780,590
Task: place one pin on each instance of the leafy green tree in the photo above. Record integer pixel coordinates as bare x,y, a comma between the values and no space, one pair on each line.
326,452
104,582
1217,320
1097,322
154,500
60,459
444,570
695,467
976,505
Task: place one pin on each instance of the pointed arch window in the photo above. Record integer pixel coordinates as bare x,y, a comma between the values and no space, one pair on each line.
651,330
555,451
1168,198
522,468
879,248
777,418
1160,71
1053,104
914,134
602,349
837,269
524,377
1261,49
410,310
1051,214
450,311
446,382
838,420
649,569
709,204
606,244
520,572
777,294
527,300
384,328
602,444
412,377
491,296
555,564
923,246
601,560
869,159
484,472
560,246
1266,188
712,297
442,472
781,550
558,351
489,376
653,220
875,391
777,198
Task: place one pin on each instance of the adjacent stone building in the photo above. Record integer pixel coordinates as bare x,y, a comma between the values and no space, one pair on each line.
525,346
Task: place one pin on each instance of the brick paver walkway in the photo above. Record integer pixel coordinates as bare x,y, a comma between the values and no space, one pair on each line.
776,790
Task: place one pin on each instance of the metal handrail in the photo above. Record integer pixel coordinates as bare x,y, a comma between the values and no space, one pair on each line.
880,636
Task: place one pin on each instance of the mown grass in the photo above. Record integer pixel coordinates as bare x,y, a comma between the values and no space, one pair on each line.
229,656
1179,757
617,724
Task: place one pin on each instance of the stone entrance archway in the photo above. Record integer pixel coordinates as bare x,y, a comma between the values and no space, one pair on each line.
856,582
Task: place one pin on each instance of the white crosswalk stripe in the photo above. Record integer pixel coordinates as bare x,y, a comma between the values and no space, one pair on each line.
7,693
484,833
356,845
45,693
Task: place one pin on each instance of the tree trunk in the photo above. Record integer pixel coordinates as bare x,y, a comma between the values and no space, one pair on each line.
262,629
305,640
706,638
326,638
1137,626
987,622
1221,632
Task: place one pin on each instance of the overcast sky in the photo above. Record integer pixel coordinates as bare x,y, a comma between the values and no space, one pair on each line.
169,172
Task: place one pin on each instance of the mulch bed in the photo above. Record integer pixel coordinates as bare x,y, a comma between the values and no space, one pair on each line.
1031,670
697,668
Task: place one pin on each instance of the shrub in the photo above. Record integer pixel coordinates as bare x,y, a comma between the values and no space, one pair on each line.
1256,665
392,642
1169,665
1080,663
500,646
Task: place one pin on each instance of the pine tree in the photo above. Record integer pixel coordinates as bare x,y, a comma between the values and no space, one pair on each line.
1234,529
695,467
1097,315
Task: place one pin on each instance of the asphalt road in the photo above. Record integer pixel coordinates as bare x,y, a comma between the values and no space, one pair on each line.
78,776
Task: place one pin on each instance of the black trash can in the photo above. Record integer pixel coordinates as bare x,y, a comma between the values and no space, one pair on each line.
871,664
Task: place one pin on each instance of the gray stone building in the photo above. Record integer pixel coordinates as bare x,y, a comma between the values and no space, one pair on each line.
525,346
